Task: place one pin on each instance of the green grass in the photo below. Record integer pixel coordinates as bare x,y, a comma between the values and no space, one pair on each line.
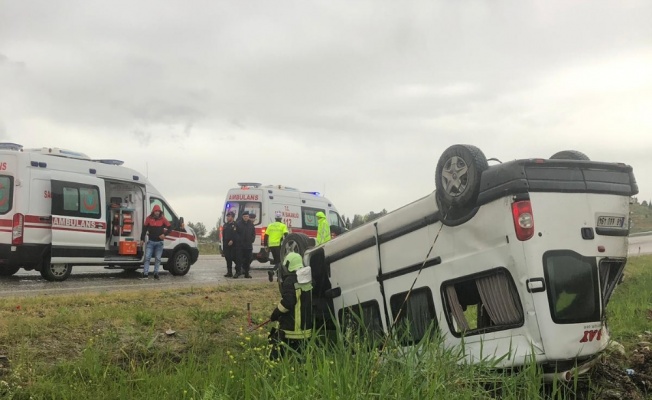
629,313
209,248
115,346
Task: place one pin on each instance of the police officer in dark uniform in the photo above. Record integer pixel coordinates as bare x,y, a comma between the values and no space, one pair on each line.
246,234
228,243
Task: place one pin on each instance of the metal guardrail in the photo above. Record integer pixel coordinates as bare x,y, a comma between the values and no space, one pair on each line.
640,234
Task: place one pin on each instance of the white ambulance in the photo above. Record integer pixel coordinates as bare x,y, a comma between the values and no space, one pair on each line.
297,208
59,208
511,262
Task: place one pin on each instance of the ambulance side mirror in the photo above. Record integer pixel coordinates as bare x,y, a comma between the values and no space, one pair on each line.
181,225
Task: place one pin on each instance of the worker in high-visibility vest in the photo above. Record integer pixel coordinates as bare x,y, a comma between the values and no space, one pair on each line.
274,235
323,229
294,311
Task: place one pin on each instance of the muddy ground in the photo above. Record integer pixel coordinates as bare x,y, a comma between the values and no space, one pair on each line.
621,374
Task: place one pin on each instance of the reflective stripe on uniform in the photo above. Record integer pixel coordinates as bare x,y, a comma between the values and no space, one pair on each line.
298,333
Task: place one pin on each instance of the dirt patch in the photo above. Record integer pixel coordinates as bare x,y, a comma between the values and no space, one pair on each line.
621,374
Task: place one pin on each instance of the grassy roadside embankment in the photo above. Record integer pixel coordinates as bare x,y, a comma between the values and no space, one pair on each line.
115,345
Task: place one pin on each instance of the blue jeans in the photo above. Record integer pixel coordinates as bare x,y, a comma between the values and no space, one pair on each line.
155,248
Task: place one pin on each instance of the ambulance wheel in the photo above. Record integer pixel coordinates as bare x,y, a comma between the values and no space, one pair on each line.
294,242
570,155
457,178
56,272
179,264
8,271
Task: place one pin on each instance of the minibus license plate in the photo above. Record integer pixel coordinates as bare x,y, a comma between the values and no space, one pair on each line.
612,222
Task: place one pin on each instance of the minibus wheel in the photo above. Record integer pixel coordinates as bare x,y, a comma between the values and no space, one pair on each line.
55,272
294,242
8,271
179,265
570,155
457,178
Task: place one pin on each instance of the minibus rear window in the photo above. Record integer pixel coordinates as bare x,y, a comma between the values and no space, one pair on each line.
611,272
572,282
238,207
6,193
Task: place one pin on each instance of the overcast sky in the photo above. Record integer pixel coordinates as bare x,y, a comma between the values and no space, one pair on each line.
355,99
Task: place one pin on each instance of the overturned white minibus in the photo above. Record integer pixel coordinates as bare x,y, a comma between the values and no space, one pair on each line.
515,260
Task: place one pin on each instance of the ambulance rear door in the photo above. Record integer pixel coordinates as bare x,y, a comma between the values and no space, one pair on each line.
79,226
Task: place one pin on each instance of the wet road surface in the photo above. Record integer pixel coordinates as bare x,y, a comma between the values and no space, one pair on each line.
208,270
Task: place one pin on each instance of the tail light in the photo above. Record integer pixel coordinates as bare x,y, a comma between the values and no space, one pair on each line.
523,219
219,238
17,229
262,237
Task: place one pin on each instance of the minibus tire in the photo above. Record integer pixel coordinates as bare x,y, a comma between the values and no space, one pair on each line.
8,271
297,242
55,272
455,216
475,162
179,264
570,155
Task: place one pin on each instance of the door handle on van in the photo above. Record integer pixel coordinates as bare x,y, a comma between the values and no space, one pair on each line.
45,219
333,293
536,285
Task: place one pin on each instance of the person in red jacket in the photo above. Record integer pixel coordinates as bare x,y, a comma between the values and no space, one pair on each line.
156,226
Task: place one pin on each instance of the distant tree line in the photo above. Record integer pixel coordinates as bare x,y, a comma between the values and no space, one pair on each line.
213,235
363,219
200,231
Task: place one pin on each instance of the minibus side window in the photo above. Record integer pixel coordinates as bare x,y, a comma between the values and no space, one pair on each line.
76,200
309,217
573,289
253,208
238,207
6,193
362,320
167,213
484,302
334,219
416,317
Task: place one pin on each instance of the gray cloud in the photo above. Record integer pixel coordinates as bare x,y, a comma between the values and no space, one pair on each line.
357,97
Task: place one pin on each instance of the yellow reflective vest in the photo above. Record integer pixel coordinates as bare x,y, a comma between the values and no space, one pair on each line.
323,232
275,231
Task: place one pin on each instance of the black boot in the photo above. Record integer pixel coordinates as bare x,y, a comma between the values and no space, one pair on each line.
229,274
270,275
237,275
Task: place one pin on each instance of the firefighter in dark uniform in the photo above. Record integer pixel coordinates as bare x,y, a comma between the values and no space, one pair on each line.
228,243
294,311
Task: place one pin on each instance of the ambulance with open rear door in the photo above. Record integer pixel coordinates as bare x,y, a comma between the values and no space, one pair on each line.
60,208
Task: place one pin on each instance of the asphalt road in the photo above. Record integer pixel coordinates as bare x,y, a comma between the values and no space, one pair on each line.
207,271
640,245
